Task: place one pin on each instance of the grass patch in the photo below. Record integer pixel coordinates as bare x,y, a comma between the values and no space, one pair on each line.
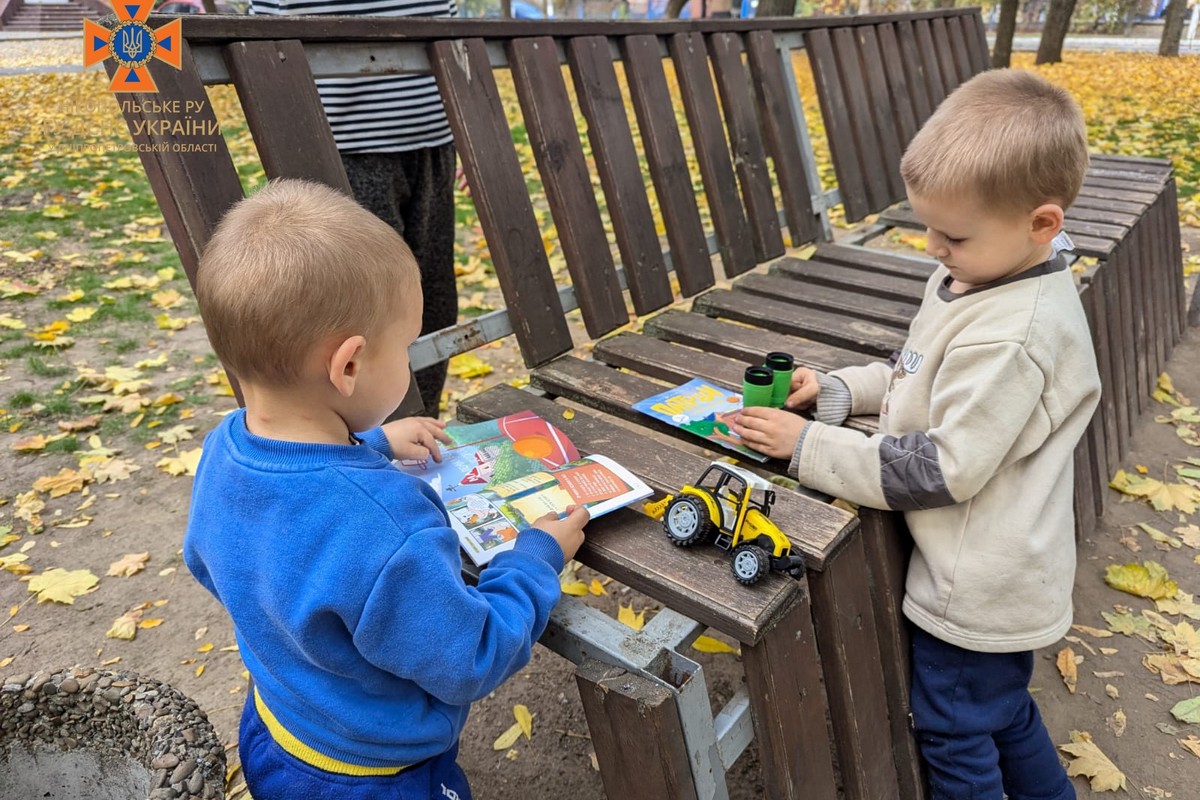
67,445
39,367
127,308
19,351
22,400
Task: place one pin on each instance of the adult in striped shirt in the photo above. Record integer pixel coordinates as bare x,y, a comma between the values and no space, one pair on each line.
396,145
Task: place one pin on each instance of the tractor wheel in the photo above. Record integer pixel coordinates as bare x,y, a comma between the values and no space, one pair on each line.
686,521
750,563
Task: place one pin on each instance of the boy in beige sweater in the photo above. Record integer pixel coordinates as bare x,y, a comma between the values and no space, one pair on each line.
979,416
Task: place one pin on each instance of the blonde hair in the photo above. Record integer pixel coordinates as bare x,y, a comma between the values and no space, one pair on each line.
291,265
1009,138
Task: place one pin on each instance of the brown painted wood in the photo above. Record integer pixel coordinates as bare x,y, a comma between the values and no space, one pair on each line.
745,140
1082,500
747,343
484,144
1137,273
1157,321
633,549
827,298
550,123
1089,189
782,136
875,260
848,641
977,32
898,85
874,284
1111,305
1161,235
1161,165
668,164
887,546
838,132
931,66
734,240
636,733
782,316
944,55
1084,201
958,47
816,528
1098,323
1127,340
1133,188
863,130
883,111
914,72
1188,314
616,160
284,112
792,734
1108,216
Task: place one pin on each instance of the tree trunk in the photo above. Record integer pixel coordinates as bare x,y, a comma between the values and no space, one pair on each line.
210,7
674,8
776,8
1058,22
943,3
1172,28
506,9
1005,27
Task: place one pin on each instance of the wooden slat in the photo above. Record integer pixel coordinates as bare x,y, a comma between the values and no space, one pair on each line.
749,156
976,30
1139,188
1111,306
883,111
930,63
746,343
1121,263
822,326
958,46
943,54
550,123
1082,500
1154,285
1098,323
1084,201
668,164
898,85
636,733
483,141
864,133
633,549
1108,216
893,313
817,529
888,287
712,152
876,260
1143,199
914,72
791,738
617,163
284,112
849,643
834,111
782,137
977,49
1171,235
1138,273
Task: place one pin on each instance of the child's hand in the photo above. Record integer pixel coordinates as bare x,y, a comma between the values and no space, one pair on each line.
568,531
416,438
804,389
772,431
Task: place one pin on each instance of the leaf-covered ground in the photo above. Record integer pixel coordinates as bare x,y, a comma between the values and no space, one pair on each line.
107,386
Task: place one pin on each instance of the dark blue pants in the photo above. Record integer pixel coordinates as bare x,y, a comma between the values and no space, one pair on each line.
274,774
979,730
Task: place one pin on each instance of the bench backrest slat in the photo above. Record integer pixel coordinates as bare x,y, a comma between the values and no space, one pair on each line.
194,189
690,57
725,52
902,96
882,110
945,57
834,109
668,164
915,79
783,136
930,63
617,164
958,47
550,123
274,82
977,46
484,142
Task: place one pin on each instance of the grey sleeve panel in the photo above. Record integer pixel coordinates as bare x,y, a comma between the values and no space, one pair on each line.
833,401
794,464
910,474
894,358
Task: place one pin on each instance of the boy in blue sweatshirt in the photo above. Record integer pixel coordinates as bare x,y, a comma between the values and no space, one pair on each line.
341,573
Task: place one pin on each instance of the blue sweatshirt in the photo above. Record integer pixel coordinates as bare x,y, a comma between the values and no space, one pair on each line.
343,579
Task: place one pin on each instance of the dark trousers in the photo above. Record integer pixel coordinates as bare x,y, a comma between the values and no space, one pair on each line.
414,193
978,728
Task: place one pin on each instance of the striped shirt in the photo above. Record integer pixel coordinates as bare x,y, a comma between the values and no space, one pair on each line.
381,114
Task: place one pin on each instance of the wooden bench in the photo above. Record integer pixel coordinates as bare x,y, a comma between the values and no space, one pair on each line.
834,645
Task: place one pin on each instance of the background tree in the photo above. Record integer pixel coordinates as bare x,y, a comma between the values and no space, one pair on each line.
776,8
1005,26
1172,28
674,8
506,9
1058,22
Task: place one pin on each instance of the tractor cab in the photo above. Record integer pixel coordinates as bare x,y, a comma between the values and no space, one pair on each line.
733,488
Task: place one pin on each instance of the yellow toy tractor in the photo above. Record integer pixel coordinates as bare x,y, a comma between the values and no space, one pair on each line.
720,509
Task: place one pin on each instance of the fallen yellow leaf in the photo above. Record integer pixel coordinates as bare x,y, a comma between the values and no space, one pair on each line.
130,564
524,719
1148,579
1067,668
62,586
1089,761
707,644
626,615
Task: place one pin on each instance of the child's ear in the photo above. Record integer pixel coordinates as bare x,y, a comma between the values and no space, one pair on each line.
1045,222
345,364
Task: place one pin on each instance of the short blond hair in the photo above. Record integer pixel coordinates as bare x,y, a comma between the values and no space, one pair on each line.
293,264
1007,137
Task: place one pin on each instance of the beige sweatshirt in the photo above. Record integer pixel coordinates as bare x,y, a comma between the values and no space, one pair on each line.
979,418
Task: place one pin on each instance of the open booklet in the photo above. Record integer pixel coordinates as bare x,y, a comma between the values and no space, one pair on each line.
502,475
701,408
